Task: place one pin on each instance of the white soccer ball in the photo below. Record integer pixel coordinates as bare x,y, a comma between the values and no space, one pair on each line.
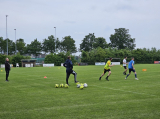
78,85
85,85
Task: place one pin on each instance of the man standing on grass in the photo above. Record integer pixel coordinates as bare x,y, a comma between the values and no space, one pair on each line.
131,68
69,66
107,69
7,68
124,65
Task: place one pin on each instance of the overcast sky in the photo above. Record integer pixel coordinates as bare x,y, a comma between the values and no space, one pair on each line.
37,18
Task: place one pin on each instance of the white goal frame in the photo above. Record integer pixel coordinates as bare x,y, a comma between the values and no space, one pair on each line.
116,63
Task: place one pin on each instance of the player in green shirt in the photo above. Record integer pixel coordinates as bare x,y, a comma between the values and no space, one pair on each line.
107,69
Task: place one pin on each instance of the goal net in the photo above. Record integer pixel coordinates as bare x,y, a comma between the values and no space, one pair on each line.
115,61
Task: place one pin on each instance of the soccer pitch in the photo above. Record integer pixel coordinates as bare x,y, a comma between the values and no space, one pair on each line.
28,95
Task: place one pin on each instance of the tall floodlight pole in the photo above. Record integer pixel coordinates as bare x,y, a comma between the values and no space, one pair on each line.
55,32
6,34
15,43
55,38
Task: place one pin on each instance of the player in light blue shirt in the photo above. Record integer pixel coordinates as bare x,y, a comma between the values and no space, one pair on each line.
131,68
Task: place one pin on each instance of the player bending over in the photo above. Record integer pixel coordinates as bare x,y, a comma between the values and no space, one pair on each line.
69,66
107,69
124,65
131,68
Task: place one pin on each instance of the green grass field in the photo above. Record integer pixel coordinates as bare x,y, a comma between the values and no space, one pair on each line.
30,96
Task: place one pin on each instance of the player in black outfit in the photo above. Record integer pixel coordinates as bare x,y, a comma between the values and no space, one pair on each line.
7,68
69,66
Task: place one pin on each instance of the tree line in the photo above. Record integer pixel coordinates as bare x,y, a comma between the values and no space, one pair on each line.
57,59
95,55
141,55
13,59
50,45
92,49
121,39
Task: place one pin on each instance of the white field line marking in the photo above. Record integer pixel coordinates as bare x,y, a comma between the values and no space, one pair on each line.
124,90
73,106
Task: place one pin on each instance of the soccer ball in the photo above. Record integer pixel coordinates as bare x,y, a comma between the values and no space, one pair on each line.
81,87
56,85
66,86
61,85
85,85
78,85
82,84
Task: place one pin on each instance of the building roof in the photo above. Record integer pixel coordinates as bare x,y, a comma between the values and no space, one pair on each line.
28,60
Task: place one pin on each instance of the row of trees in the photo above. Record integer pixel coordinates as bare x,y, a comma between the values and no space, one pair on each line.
57,59
141,55
95,55
13,59
121,39
50,45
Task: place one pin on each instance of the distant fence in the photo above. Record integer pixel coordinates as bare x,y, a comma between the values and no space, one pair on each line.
156,62
48,65
82,64
2,65
136,62
99,63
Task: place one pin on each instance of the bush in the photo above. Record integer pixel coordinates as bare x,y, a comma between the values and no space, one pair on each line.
13,59
57,59
3,59
17,59
141,55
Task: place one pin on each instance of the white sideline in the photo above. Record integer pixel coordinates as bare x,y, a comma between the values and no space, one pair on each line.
125,91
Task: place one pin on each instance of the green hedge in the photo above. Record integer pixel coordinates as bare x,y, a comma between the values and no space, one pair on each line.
143,56
13,59
59,58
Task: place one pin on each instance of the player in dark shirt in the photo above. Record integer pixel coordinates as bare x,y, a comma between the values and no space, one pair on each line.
7,68
69,66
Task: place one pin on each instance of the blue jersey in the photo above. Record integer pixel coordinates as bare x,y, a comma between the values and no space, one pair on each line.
130,64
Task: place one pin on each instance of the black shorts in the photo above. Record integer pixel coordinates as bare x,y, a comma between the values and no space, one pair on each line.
106,70
125,67
131,70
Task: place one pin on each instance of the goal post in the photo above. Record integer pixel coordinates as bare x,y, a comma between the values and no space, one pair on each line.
115,61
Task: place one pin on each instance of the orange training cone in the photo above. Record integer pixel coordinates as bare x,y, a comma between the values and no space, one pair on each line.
45,77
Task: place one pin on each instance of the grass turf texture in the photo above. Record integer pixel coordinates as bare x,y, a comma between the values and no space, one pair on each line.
28,95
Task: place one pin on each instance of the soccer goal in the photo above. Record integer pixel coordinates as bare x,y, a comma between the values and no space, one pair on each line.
115,61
